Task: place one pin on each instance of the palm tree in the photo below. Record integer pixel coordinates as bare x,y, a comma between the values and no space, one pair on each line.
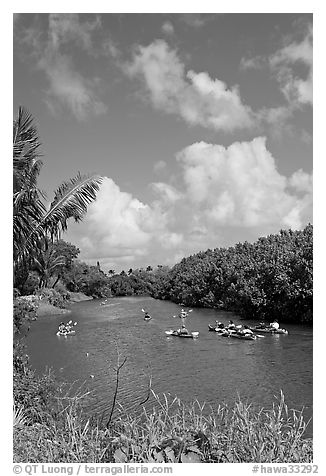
47,263
33,221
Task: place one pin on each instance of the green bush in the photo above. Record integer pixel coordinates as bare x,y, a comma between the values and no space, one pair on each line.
24,311
55,297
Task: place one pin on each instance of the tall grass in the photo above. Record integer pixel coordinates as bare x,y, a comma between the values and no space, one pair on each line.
171,432
51,427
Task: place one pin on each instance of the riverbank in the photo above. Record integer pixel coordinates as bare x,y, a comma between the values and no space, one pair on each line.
79,297
43,308
50,427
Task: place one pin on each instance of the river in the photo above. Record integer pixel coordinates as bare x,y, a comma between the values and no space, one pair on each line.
211,368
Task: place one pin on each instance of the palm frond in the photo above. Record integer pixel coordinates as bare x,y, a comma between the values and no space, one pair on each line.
71,200
32,223
26,154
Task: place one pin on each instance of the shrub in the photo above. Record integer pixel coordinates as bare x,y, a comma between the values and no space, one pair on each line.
24,311
54,297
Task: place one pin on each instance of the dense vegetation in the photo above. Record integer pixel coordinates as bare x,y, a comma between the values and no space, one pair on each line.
263,280
266,279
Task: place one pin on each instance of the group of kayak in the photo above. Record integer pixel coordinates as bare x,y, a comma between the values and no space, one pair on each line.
246,332
66,329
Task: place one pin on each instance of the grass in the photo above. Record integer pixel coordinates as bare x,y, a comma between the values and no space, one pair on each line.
50,426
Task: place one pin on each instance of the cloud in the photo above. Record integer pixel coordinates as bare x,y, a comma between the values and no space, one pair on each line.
69,88
297,90
197,98
159,166
66,27
168,28
257,62
294,88
66,86
116,224
240,186
194,20
221,193
167,193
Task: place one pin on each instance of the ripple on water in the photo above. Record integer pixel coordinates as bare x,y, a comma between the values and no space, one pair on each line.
210,368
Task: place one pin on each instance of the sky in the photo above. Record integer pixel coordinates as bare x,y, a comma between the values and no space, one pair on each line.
200,124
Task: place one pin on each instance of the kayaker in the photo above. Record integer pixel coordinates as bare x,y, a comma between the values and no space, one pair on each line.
183,330
231,324
183,314
147,316
245,330
274,324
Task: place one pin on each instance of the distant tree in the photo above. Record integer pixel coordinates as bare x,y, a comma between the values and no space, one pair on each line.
129,271
149,268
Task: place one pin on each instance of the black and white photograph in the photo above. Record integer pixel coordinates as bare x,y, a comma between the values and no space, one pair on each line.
162,241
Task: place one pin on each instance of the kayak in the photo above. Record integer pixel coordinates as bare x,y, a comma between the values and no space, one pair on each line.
147,318
269,330
243,336
279,331
215,329
191,335
66,333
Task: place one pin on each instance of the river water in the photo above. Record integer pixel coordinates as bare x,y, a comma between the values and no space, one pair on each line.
211,368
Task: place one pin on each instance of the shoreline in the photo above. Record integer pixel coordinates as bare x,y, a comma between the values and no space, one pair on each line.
45,309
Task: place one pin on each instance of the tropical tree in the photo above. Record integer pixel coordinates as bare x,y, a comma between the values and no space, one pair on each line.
34,219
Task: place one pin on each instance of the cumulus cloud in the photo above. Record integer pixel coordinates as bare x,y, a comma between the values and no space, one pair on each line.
221,192
167,193
116,224
196,97
240,185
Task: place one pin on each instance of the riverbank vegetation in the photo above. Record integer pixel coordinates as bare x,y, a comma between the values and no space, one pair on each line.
51,427
271,278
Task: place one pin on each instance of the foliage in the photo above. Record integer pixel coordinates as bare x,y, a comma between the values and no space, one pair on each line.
87,279
56,297
24,311
33,222
271,278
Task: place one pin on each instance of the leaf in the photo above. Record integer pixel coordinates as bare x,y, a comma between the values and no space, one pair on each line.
194,449
190,457
120,456
170,455
158,457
